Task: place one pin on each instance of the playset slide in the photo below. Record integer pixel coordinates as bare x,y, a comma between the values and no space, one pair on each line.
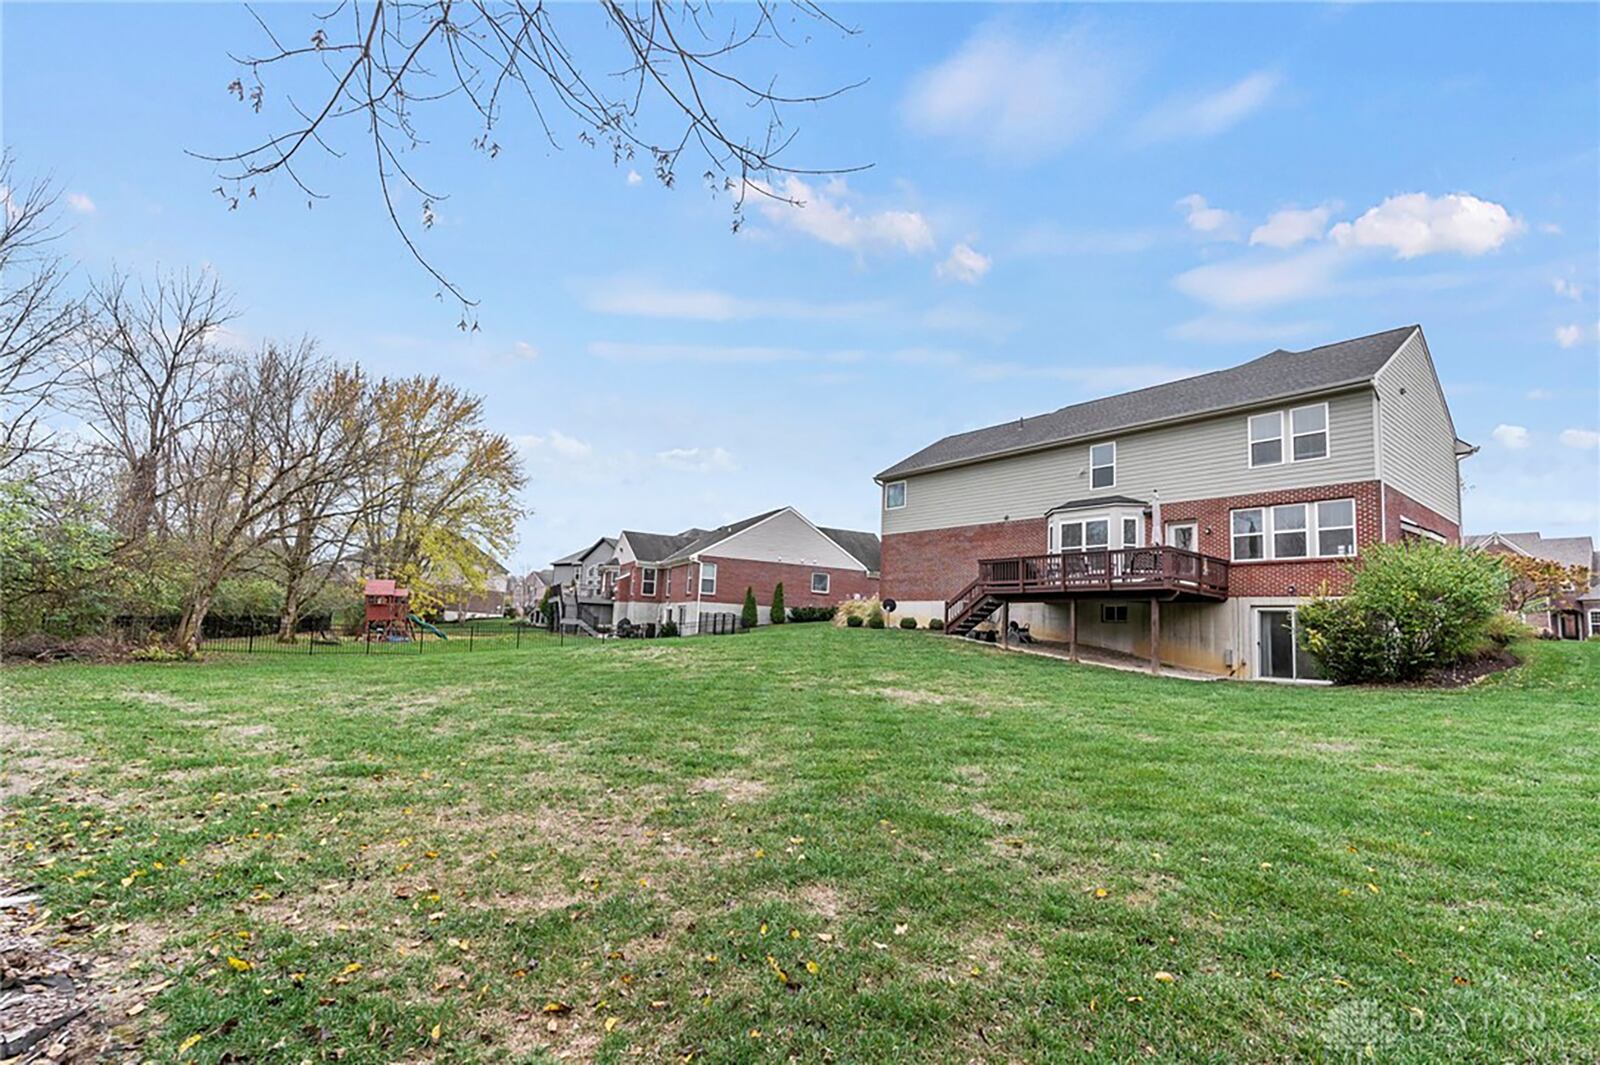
418,621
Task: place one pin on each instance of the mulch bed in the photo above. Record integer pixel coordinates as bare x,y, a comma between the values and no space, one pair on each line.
1471,670
52,1009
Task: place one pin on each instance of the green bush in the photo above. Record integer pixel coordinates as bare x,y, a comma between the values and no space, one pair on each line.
1503,630
854,622
778,613
875,621
1411,608
669,628
908,623
936,624
749,617
811,613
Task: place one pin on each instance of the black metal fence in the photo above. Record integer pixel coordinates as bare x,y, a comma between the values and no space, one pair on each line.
457,637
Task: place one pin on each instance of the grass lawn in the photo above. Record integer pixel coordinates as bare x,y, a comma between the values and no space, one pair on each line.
813,844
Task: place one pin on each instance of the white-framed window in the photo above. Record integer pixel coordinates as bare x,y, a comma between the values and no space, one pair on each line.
1305,427
1103,465
1289,532
1249,534
1266,438
1294,530
1184,535
708,578
1594,623
1131,527
1336,527
1114,613
669,582
894,495
820,583
647,581
1308,432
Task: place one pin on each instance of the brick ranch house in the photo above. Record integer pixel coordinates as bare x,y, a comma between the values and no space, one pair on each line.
1182,523
701,574
1572,615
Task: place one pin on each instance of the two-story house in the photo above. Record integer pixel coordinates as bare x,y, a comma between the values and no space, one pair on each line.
1182,523
698,578
586,579
1574,614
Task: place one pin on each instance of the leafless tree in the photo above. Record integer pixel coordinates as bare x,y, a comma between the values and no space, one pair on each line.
240,471
145,384
678,69
38,319
324,501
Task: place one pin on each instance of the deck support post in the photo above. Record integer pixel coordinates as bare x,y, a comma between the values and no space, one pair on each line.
1155,635
1005,624
1072,629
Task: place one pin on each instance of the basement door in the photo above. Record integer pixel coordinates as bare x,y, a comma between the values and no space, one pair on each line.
1279,655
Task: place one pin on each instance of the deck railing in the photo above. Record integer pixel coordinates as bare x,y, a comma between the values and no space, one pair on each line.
1128,569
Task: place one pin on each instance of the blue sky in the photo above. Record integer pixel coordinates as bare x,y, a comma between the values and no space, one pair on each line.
1062,203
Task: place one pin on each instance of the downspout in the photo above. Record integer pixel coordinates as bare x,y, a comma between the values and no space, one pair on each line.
699,590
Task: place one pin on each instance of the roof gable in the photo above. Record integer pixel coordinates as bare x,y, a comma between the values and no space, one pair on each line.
1277,375
864,547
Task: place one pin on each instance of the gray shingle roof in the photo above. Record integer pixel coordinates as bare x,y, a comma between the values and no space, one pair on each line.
1276,375
655,547
864,547
577,555
1566,550
1097,501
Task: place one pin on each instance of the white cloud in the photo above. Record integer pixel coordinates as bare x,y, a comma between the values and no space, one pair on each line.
1291,226
1016,95
823,215
525,351
1209,221
1514,437
634,178
1550,229
1248,283
1571,290
696,459
1569,336
1190,117
965,264
643,299
1539,395
1418,224
1582,439
1221,329
80,203
554,443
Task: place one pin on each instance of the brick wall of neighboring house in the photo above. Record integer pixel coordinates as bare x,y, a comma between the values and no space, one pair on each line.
734,575
629,586
935,564
1398,505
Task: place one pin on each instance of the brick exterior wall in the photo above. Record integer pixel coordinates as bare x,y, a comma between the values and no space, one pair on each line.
628,589
938,563
734,575
1398,505
1306,577
935,564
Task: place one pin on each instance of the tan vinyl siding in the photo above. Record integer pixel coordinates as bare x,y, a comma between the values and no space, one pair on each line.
1195,460
1417,441
785,537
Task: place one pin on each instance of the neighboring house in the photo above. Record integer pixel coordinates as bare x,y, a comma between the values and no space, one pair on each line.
586,579
529,589
1573,615
1186,522
699,573
462,603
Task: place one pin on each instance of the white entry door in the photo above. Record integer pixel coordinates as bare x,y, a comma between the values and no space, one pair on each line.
1184,535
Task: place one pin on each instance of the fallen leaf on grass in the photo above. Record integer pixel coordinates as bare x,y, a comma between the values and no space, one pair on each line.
188,1044
239,965
557,1008
611,1023
434,1033
1163,977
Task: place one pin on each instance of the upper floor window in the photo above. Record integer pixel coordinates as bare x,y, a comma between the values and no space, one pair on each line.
708,578
1130,532
647,581
1266,439
819,583
1308,426
1295,530
1307,429
1103,465
894,495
